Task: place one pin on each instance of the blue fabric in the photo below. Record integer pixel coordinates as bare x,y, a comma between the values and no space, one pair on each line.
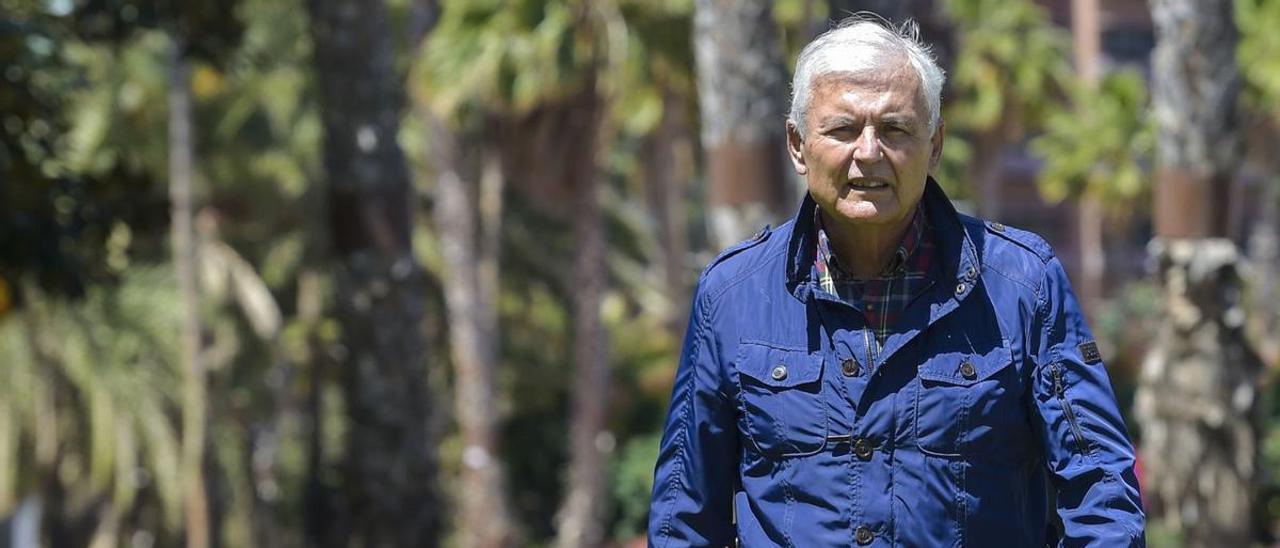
957,433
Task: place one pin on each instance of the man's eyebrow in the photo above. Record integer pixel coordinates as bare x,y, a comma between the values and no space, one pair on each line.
838,120
897,118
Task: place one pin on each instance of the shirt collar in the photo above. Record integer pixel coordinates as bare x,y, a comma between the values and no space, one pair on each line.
954,246
826,260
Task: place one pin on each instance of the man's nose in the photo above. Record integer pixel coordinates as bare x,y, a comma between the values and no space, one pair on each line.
867,147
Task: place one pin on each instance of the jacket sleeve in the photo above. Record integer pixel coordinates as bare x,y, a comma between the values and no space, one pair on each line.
697,460
1086,448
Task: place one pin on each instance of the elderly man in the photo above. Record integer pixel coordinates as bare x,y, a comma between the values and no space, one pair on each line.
882,370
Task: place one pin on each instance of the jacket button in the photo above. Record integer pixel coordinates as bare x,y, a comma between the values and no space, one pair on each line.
862,448
970,273
997,227
961,288
967,370
779,373
850,367
863,535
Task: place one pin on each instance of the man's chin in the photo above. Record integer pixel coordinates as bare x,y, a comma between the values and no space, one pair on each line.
864,213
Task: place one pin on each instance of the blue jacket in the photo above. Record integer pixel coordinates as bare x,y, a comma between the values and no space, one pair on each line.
986,406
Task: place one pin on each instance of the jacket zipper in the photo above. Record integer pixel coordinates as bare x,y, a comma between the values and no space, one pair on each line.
1060,389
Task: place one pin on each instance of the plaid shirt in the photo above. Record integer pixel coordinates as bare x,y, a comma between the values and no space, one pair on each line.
881,299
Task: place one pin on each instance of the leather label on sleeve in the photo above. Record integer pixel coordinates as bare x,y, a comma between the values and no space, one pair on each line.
1089,351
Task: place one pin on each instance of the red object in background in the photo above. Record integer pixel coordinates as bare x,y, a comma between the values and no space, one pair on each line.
1137,465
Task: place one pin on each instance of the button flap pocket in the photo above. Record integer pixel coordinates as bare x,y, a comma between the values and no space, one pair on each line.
965,368
968,403
781,399
778,366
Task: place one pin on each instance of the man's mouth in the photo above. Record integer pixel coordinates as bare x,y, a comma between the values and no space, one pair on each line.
868,184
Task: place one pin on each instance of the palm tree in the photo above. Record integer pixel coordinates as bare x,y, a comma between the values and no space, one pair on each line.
548,113
1197,400
185,257
390,470
468,222
742,96
94,381
1009,72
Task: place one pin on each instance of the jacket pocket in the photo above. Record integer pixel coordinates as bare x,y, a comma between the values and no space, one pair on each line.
968,404
783,413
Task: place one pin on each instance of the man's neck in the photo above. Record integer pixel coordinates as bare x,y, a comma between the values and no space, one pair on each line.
865,250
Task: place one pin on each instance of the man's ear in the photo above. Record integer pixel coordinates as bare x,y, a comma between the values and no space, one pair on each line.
939,137
795,148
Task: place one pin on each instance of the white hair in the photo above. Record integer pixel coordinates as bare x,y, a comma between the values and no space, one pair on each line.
863,43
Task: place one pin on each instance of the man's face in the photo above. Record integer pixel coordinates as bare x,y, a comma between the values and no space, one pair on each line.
867,149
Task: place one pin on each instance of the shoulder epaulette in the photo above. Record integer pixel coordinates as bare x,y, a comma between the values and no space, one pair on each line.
759,237
1022,238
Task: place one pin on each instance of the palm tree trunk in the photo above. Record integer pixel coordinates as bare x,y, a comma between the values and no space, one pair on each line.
389,491
194,406
1197,401
580,520
986,170
581,514
1264,252
469,232
1093,256
665,192
742,93
1093,259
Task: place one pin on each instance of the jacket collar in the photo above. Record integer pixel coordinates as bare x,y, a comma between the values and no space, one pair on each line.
956,252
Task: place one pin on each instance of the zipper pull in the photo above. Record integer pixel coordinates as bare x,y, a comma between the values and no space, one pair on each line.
1057,380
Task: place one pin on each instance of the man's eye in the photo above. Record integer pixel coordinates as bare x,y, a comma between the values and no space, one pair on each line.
843,132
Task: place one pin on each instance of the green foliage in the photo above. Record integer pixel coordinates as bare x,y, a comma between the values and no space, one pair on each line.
1163,535
83,211
55,219
115,353
535,382
208,29
510,57
1101,146
659,56
1125,325
260,125
82,168
119,117
1011,63
953,168
506,60
1270,490
1009,74
643,357
1259,52
535,349
631,482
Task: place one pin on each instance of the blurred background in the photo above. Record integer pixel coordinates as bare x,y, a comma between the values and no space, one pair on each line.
416,272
